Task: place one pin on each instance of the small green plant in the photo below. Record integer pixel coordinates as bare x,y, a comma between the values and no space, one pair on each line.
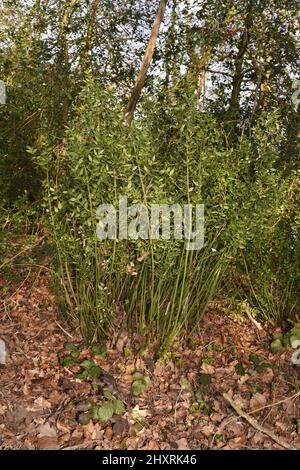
200,399
127,351
185,385
219,438
259,363
104,411
90,370
214,347
108,408
74,354
98,350
289,339
140,383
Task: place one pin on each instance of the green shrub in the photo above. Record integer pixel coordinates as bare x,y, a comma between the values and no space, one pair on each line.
172,154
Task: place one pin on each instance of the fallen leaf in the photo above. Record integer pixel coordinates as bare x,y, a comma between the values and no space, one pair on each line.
153,445
47,443
208,369
46,430
120,426
257,401
182,444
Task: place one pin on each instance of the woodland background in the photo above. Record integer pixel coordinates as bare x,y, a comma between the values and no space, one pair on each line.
167,101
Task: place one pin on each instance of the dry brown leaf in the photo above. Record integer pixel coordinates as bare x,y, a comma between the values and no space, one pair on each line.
46,430
153,445
108,432
257,401
208,369
47,443
182,444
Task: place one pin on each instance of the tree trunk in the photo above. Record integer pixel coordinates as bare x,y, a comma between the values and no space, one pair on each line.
68,10
89,35
233,110
140,80
63,57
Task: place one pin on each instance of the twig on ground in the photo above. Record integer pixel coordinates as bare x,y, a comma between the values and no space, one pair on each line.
62,329
296,395
255,322
256,425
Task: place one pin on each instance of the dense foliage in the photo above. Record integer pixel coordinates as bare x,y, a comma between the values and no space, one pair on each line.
216,124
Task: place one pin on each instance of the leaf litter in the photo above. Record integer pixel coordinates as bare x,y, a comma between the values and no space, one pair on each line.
177,402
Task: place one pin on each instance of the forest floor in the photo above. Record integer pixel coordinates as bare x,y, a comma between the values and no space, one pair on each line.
179,406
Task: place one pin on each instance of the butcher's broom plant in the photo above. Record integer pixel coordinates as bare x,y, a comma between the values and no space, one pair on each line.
172,153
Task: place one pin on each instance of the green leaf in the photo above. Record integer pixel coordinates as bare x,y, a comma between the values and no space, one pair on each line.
295,331
276,346
263,366
71,347
82,375
205,379
107,394
94,411
75,354
198,395
98,350
147,381
137,388
137,376
119,407
67,361
127,351
207,360
95,371
87,364
84,418
185,384
294,341
105,411
255,359
240,369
